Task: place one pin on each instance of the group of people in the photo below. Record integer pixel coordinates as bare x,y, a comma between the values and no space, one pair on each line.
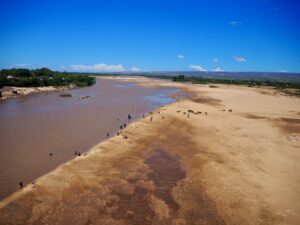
122,125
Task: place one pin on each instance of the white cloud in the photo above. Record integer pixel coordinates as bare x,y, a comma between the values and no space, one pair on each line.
215,60
22,65
180,56
283,71
218,69
135,69
198,68
98,68
239,58
235,23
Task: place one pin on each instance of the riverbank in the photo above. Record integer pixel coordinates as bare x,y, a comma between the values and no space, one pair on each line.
18,81
12,92
225,155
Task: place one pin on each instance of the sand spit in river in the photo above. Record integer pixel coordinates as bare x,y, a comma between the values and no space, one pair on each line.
219,167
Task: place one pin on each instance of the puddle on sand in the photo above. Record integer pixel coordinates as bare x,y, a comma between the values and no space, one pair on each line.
162,98
165,172
137,207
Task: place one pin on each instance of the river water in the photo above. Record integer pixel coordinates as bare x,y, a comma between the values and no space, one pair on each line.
32,127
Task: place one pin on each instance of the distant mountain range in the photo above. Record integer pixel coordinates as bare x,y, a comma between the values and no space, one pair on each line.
263,76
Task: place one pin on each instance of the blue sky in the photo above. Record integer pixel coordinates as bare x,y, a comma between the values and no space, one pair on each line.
152,35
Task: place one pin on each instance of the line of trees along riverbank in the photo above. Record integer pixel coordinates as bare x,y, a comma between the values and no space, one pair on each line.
42,77
283,86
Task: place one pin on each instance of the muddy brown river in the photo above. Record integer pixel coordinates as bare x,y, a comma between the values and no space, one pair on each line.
32,127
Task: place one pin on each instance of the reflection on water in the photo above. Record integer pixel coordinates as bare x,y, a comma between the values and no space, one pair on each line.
161,98
32,127
44,102
124,85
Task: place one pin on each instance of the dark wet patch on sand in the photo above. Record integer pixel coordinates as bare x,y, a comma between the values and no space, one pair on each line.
252,116
285,124
267,92
137,207
134,207
207,101
165,172
290,120
288,125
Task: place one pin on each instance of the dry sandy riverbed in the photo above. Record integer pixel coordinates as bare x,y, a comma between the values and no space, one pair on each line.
175,167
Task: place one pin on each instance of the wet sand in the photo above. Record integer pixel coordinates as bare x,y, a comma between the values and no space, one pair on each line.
34,126
238,163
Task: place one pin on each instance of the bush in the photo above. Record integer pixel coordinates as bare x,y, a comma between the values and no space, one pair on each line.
65,95
2,81
43,77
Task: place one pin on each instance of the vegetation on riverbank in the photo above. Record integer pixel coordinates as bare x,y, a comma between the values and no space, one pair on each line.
43,77
291,88
65,95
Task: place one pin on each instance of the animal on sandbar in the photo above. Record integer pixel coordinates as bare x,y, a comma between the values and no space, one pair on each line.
124,125
21,184
50,153
230,110
190,111
107,134
121,127
129,116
